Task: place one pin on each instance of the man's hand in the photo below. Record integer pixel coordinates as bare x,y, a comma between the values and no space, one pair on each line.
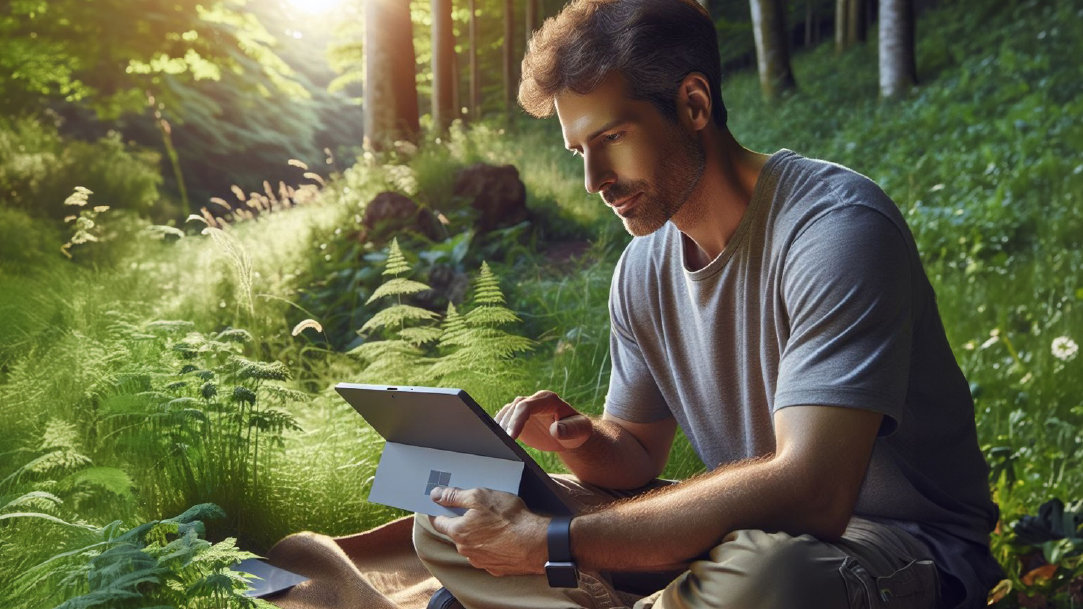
545,422
497,533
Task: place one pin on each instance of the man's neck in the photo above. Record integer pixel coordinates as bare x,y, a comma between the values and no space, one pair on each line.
714,210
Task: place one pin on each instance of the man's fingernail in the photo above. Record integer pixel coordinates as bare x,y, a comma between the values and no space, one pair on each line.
562,429
437,493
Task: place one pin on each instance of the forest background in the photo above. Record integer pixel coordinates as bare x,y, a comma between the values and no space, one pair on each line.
186,268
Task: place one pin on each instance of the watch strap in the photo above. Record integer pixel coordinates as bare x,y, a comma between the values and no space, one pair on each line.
560,569
559,538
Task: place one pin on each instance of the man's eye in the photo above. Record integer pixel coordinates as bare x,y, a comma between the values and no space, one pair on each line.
613,137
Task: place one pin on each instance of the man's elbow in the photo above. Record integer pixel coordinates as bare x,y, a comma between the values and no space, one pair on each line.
828,511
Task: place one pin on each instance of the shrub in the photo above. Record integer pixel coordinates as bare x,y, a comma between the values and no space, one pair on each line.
39,168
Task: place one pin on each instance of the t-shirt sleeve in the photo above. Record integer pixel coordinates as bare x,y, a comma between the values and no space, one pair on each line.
848,297
633,394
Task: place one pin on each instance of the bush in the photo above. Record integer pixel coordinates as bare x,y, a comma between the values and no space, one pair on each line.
25,243
39,168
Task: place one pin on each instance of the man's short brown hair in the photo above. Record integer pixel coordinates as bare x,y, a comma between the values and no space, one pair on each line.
654,44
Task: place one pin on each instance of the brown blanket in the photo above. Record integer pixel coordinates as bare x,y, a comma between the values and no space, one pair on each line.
377,569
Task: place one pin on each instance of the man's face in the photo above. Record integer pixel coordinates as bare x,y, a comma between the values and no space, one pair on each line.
644,165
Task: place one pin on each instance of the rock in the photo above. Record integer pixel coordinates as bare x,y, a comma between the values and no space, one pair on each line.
390,213
497,194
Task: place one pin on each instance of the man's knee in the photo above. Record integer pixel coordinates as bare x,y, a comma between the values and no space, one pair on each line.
758,570
431,547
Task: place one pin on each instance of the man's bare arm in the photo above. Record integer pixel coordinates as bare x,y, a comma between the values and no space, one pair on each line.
607,451
810,485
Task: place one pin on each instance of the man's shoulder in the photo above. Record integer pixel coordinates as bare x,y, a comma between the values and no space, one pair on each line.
813,188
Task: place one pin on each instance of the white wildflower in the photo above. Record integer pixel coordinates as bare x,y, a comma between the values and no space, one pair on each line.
1064,348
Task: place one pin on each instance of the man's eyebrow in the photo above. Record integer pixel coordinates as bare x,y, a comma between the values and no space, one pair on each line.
606,127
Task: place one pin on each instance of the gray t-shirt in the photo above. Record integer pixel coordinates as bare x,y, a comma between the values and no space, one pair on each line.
818,299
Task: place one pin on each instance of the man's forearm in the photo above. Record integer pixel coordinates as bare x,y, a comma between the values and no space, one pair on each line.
669,527
611,458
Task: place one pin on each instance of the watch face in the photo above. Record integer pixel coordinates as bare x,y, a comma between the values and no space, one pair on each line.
562,574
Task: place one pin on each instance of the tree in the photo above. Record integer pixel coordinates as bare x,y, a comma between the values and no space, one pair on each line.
443,68
850,23
898,67
531,18
475,76
772,48
119,58
391,111
842,17
856,22
509,56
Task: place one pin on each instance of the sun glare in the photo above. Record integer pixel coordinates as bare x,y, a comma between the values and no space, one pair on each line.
314,7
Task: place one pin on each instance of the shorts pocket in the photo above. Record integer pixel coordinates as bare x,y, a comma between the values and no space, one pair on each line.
914,586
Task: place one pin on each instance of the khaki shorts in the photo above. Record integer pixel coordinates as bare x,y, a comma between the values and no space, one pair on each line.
873,566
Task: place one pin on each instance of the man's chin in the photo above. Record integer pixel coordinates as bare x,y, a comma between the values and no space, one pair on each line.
640,227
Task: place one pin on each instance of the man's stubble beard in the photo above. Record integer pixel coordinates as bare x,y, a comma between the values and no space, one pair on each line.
677,176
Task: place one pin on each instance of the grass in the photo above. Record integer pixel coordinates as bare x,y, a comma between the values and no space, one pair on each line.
983,158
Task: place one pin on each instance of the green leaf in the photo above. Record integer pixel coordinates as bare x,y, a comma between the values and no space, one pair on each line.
396,316
109,479
397,286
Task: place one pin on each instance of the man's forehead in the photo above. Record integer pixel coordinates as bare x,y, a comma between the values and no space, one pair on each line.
581,114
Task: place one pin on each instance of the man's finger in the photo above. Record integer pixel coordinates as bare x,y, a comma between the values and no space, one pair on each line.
451,497
573,431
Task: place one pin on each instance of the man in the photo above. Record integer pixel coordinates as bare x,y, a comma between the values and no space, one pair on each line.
772,307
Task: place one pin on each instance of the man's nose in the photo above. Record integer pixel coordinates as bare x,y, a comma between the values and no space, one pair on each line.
597,173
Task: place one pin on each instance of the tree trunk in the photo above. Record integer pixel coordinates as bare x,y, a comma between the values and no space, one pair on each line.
475,76
509,57
390,74
772,48
857,27
898,67
808,23
531,18
842,14
443,72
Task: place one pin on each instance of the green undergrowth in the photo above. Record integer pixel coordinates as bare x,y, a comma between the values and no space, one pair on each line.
161,369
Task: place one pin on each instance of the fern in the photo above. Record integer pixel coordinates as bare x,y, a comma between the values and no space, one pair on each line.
397,286
474,346
406,330
396,317
164,563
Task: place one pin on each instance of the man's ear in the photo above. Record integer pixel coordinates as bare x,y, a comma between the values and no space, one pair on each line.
694,100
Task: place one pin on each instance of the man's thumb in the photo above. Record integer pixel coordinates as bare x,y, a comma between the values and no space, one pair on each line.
572,431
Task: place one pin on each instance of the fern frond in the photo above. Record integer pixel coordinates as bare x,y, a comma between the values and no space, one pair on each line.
375,350
285,394
39,499
108,479
489,316
396,316
249,369
55,462
59,435
397,286
487,287
396,261
48,517
420,336
234,335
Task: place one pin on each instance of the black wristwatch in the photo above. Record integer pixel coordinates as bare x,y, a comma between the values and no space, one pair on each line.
560,569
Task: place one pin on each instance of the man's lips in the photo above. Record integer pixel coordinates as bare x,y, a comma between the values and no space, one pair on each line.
624,204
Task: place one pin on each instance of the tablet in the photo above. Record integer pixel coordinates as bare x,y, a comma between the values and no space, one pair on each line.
442,437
